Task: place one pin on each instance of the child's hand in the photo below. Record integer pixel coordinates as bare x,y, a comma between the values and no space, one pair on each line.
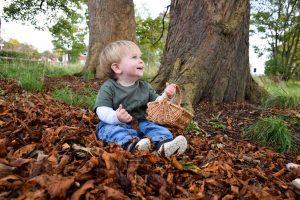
122,115
170,90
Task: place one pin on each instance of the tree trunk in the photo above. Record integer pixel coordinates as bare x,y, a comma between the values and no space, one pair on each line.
108,21
207,51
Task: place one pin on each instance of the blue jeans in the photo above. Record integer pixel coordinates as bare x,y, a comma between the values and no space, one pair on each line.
123,133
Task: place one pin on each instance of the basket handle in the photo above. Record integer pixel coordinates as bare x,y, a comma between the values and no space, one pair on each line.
178,91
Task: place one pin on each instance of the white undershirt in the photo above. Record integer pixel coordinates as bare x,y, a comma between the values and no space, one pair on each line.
109,115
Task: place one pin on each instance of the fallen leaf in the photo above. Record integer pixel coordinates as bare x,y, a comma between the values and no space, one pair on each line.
87,185
25,150
56,185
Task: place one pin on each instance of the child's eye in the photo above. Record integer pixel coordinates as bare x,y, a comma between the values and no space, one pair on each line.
134,57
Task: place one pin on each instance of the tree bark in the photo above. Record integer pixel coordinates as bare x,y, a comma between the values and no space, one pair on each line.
207,51
108,21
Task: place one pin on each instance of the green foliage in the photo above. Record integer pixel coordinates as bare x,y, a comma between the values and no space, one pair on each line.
278,22
274,67
88,75
148,32
192,126
149,73
216,124
12,54
41,14
13,48
272,132
31,74
57,71
12,45
281,101
26,75
284,94
61,17
30,77
67,95
30,83
69,38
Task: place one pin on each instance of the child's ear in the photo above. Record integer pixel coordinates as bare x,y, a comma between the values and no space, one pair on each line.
115,67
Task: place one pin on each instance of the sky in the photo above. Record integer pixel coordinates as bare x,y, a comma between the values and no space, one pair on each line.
42,39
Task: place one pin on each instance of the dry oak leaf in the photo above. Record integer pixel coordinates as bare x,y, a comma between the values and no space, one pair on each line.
10,182
32,195
25,150
56,185
89,165
113,194
87,185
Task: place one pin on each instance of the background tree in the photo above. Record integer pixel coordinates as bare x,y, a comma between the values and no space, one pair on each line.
21,50
69,37
148,32
41,13
279,23
12,44
63,19
206,51
108,21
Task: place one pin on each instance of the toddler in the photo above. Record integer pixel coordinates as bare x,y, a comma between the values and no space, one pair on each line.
124,97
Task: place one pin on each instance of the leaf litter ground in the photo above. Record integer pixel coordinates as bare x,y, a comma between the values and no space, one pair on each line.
48,151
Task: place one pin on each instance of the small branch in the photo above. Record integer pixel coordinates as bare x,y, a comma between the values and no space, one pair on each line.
163,28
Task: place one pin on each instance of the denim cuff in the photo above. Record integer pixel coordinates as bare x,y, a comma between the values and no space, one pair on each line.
129,146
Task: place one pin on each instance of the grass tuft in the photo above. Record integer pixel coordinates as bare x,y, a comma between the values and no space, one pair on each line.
85,99
281,101
272,132
281,94
192,126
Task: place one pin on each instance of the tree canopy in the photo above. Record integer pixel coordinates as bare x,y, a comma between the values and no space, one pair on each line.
20,49
148,33
41,13
278,22
62,18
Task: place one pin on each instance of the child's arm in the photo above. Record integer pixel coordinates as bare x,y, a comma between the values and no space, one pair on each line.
110,116
107,115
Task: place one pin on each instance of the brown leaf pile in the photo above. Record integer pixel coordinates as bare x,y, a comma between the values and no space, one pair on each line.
48,151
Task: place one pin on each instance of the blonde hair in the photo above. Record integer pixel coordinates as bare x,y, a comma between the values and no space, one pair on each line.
113,53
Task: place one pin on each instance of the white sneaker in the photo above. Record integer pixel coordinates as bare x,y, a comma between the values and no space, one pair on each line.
296,183
143,145
177,145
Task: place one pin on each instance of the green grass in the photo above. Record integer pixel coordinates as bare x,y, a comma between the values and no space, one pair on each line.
31,74
192,126
272,132
281,94
216,124
57,71
85,99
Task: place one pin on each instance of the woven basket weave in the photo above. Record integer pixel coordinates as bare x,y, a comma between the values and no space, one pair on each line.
166,113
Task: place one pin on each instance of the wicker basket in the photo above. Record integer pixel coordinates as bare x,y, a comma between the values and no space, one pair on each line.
169,114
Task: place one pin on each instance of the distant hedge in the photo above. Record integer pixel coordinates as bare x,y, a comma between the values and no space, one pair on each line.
12,54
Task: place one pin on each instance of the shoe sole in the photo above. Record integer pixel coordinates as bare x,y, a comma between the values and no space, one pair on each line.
146,145
179,145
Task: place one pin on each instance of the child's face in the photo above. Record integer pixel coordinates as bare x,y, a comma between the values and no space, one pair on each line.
131,65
